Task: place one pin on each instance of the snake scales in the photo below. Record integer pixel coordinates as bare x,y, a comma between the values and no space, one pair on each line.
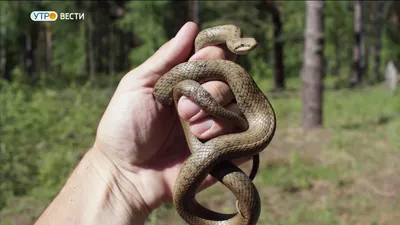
214,156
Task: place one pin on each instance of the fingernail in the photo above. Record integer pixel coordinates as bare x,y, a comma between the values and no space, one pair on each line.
202,127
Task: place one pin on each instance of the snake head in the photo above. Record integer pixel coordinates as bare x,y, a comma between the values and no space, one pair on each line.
242,46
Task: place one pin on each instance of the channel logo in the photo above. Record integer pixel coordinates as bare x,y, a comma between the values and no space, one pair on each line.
44,16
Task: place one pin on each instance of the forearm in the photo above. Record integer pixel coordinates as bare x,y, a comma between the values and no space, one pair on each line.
96,193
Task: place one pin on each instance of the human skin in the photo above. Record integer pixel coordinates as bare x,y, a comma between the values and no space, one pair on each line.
140,147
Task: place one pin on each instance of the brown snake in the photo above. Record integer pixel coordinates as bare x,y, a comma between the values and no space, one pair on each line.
214,156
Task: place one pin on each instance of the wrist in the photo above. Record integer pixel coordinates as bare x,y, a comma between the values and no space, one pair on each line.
118,195
149,183
96,193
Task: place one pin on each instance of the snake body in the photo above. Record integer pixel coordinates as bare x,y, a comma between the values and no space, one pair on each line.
214,156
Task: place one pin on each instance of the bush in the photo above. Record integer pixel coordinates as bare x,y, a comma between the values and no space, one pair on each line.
43,131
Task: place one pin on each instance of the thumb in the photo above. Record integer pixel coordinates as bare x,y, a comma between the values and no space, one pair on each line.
172,53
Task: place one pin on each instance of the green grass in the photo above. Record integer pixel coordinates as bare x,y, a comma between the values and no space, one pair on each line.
296,173
345,173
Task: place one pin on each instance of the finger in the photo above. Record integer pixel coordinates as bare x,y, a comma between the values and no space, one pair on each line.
210,127
220,91
175,51
190,111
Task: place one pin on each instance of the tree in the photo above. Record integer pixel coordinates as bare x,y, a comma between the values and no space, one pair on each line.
279,77
393,34
377,44
313,67
357,69
49,49
338,38
3,34
193,9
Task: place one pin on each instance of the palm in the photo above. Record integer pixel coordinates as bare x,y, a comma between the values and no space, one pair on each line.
139,129
143,134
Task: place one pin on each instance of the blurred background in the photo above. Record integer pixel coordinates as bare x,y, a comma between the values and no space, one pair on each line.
329,69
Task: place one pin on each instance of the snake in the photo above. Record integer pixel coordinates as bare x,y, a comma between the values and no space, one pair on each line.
256,123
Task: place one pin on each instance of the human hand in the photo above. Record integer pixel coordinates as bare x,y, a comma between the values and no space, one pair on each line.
140,146
143,138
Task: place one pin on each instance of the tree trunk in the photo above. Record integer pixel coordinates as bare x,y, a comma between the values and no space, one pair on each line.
279,78
29,56
378,40
91,50
90,62
49,51
126,49
3,34
86,46
357,71
313,68
31,45
372,46
180,17
22,54
395,15
111,50
193,8
395,20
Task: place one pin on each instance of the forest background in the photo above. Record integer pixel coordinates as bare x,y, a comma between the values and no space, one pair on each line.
338,166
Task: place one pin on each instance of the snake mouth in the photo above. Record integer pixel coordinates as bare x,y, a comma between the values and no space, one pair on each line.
244,48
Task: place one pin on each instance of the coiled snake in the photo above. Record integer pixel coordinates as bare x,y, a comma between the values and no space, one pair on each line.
214,156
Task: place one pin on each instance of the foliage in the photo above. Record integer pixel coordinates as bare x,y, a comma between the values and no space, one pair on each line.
140,28
31,155
49,113
144,19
